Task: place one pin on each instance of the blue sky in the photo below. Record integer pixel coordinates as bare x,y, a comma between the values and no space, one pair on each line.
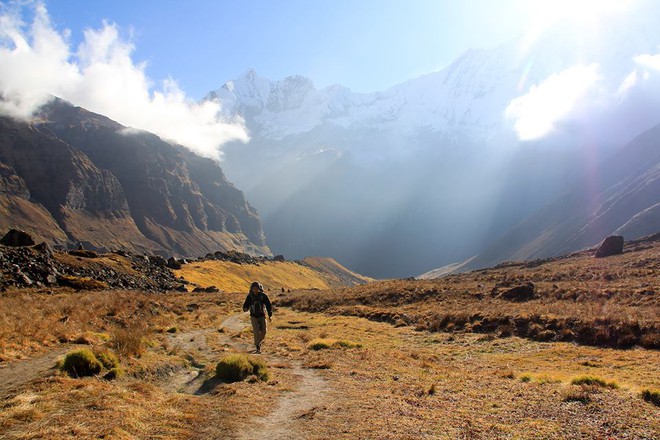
366,45
148,63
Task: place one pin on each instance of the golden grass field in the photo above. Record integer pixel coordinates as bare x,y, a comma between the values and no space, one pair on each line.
316,273
333,372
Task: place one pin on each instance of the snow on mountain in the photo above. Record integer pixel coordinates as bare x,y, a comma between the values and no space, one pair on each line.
442,164
467,98
443,101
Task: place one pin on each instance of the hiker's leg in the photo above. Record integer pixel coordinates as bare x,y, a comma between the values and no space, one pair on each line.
256,331
262,329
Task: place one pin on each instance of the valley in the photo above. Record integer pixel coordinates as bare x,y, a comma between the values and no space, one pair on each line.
387,359
454,208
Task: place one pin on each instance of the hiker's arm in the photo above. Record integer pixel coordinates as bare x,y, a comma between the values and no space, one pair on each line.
246,304
269,308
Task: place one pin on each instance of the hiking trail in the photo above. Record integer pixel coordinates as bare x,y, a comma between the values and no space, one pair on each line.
18,373
291,411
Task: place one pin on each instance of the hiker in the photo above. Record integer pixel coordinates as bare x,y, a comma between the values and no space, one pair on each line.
255,302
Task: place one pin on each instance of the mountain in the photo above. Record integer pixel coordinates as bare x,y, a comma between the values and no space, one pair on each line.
431,171
73,176
620,196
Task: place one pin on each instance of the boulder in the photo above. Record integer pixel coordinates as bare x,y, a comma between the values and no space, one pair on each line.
521,293
17,238
157,260
173,263
278,258
612,245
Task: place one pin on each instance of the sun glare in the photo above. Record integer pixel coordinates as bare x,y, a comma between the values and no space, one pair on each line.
584,15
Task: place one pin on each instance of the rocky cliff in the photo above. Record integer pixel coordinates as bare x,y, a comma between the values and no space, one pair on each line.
73,176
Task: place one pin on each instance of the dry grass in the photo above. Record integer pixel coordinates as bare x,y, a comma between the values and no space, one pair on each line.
274,275
605,302
90,317
407,384
140,403
397,382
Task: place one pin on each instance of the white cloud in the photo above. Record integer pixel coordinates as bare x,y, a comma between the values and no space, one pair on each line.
538,112
101,76
647,60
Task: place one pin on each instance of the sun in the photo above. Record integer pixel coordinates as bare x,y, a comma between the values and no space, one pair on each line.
584,15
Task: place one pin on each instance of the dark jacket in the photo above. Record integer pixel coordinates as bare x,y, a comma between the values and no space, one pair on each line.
258,297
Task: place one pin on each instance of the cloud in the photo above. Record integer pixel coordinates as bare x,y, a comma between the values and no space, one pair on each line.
100,75
648,60
537,113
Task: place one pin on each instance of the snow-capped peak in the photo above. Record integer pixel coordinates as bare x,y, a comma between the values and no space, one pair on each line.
468,98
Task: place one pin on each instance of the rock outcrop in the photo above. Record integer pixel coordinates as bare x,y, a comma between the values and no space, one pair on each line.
17,238
40,266
612,245
521,293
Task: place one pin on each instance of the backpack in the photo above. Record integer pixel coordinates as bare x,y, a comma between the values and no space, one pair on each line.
257,307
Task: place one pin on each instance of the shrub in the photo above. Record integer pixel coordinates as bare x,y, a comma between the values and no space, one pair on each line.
627,340
545,335
238,367
594,381
651,396
81,363
526,378
650,341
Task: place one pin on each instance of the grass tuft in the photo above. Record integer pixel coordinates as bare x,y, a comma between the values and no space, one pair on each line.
81,363
594,381
108,359
129,341
238,367
325,344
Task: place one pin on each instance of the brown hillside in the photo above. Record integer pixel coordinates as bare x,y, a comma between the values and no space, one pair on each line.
83,178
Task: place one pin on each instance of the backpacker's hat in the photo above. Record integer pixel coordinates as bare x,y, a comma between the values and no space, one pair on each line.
261,288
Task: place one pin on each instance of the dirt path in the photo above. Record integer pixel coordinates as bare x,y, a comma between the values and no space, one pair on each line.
19,373
290,413
293,410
